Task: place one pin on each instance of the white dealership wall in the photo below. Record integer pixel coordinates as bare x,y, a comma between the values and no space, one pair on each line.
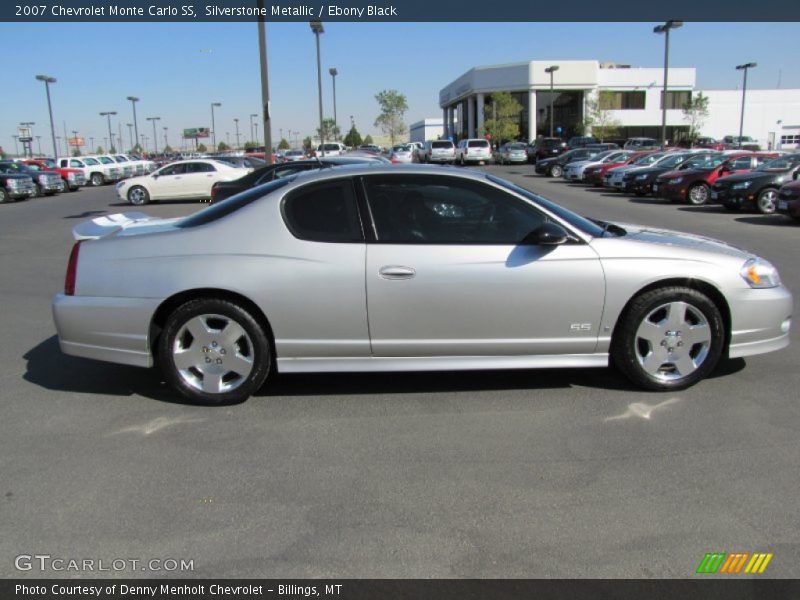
427,129
769,114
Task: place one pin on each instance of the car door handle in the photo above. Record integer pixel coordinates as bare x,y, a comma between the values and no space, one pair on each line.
397,272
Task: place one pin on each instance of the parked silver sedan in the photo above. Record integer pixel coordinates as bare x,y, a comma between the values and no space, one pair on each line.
407,268
511,152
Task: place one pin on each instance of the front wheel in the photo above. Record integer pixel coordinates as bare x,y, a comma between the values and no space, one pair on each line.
4,197
96,179
138,196
556,171
767,201
669,339
214,352
698,194
64,187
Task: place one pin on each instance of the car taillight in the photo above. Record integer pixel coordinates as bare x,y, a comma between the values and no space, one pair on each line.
72,270
466,150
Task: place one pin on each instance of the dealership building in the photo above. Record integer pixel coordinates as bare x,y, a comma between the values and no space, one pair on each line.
632,95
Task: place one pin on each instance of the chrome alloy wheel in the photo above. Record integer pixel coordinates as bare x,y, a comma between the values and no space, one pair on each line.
673,341
213,353
767,201
698,195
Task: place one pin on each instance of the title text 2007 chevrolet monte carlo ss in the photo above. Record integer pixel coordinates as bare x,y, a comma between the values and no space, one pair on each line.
407,268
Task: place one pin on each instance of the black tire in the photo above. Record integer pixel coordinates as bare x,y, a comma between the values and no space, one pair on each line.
253,345
657,366
698,194
556,171
96,179
64,187
39,190
4,197
638,193
767,201
138,196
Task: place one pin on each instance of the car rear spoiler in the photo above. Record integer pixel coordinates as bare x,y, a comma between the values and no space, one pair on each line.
107,224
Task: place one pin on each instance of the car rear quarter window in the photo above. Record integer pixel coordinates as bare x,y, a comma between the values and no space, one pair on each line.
324,212
232,204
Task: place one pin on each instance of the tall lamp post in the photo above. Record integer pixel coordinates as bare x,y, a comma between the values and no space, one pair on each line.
317,28
255,127
236,121
47,81
665,30
334,73
166,140
262,54
252,138
744,68
155,135
75,137
213,129
551,69
134,100
130,135
110,135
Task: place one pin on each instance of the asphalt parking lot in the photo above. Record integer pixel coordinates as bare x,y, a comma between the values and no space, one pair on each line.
559,473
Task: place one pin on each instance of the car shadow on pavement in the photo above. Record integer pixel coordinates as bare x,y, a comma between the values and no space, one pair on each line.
645,200
707,208
51,369
773,220
86,214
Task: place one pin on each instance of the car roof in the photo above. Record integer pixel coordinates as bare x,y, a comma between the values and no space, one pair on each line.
379,168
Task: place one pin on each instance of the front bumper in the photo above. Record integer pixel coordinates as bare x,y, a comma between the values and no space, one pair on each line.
669,192
109,329
732,198
636,187
761,320
789,207
18,192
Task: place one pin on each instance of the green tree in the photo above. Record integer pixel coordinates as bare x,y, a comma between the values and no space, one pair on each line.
137,149
368,140
393,106
202,148
76,152
283,144
506,124
308,144
353,138
112,150
695,113
168,149
99,150
598,118
329,130
223,147
249,146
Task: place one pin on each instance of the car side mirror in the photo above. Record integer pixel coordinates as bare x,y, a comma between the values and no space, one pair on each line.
547,234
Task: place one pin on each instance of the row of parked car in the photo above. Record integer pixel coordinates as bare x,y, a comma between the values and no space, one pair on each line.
763,181
31,177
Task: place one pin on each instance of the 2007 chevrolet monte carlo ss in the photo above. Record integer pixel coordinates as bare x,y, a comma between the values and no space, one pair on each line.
407,268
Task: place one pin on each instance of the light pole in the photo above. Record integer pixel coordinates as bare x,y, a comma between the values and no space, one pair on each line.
334,73
134,100
47,81
236,121
91,144
166,141
251,127
551,69
213,129
110,135
255,125
665,30
16,147
744,68
130,135
317,28
39,144
262,54
75,137
155,135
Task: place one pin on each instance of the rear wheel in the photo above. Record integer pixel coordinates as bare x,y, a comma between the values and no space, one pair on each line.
767,201
96,179
698,194
64,187
4,197
214,352
39,190
556,171
669,339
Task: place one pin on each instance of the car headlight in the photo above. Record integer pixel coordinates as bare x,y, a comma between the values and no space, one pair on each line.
742,186
641,177
758,273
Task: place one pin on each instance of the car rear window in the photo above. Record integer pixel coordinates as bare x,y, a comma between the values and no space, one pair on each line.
232,204
478,144
441,144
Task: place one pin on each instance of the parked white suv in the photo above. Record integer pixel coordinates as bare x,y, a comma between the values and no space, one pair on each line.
473,150
438,151
331,149
95,171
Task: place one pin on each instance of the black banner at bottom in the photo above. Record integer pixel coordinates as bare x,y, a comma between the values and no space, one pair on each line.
398,589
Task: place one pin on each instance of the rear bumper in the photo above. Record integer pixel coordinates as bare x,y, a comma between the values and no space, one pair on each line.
109,329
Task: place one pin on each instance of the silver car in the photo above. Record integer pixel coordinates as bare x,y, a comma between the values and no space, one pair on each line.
407,268
511,152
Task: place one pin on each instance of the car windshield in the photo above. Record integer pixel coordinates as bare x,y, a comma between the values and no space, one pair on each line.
705,161
50,163
671,160
578,222
234,203
784,163
91,161
120,159
647,159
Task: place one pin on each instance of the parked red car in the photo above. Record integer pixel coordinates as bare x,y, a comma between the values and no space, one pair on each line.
789,200
71,179
692,182
593,175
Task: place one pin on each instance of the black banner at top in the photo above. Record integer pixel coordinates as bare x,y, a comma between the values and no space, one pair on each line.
396,10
